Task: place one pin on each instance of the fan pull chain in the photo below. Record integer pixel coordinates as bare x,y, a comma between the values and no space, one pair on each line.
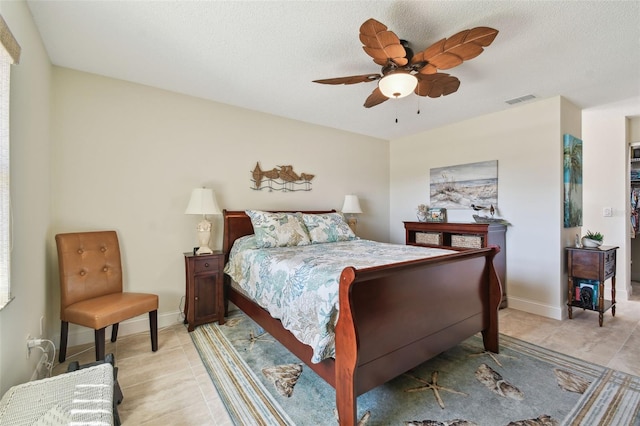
396,114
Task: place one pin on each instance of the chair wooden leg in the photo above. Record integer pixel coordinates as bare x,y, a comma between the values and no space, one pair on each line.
114,332
153,325
64,333
100,343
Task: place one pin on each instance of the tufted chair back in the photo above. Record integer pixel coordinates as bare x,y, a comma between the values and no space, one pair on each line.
90,266
91,289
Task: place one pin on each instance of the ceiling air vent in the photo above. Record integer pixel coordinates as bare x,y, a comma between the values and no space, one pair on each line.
520,99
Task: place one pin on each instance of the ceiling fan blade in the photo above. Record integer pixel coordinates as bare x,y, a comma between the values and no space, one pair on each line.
451,52
375,98
353,79
382,45
436,85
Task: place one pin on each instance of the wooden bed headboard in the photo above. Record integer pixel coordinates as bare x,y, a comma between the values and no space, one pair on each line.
237,224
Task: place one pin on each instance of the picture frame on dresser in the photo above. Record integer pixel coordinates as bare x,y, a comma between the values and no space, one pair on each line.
437,215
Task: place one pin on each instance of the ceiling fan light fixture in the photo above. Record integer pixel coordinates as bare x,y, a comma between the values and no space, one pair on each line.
398,84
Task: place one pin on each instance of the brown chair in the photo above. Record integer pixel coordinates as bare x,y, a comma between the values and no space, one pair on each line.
91,289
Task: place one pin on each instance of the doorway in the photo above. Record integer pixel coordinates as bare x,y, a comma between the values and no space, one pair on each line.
634,186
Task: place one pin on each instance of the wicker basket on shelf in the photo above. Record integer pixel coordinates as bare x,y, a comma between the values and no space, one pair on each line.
466,241
434,238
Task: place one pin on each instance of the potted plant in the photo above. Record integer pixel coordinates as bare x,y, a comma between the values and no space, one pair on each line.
592,239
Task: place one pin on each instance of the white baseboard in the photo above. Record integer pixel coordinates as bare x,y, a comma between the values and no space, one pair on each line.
82,335
554,312
548,311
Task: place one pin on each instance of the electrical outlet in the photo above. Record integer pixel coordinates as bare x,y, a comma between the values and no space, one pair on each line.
607,212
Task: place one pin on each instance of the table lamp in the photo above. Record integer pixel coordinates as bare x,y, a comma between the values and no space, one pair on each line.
351,206
203,201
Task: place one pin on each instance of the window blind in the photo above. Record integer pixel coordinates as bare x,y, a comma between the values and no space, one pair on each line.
9,54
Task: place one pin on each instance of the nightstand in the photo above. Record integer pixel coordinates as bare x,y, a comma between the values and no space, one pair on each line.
204,300
587,270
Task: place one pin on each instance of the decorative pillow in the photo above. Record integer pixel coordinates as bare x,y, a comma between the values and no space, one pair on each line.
328,228
278,229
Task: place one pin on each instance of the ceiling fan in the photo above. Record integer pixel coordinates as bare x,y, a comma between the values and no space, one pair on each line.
403,72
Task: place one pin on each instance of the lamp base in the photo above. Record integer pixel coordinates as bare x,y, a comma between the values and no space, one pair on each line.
204,235
204,250
353,223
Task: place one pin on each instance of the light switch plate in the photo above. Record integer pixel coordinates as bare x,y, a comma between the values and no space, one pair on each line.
607,212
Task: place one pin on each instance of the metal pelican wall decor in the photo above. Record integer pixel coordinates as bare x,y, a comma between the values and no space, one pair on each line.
280,178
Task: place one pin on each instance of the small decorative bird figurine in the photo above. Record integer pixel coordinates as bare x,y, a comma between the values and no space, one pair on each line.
491,209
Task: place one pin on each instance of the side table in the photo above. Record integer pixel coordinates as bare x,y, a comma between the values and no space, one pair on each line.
204,301
587,270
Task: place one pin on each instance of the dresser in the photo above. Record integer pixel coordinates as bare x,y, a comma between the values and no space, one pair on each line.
463,234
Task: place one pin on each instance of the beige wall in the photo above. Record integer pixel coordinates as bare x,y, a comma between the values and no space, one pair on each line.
607,135
527,142
634,129
126,157
30,198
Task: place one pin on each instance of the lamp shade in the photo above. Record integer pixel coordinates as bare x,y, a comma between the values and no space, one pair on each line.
202,201
398,84
351,204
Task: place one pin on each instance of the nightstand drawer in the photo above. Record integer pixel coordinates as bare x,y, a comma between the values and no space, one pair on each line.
205,265
585,264
609,264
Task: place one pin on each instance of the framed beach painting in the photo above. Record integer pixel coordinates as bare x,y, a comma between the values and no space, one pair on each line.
464,185
572,161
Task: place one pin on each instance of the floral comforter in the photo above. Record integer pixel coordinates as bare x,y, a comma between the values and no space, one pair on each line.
299,285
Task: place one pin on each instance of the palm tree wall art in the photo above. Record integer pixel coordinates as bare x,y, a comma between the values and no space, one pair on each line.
572,181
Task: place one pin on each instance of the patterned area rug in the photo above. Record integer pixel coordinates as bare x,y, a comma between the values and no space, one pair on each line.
261,383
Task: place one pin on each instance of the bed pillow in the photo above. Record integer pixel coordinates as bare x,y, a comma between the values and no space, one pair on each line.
327,228
278,229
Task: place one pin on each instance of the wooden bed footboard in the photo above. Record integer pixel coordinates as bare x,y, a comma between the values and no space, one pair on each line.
391,318
395,318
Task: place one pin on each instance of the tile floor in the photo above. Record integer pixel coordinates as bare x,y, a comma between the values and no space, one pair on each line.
172,387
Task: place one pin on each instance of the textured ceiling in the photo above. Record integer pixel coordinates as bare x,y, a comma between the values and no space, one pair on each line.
263,55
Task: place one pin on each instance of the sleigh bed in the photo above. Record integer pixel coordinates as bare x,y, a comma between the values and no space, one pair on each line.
391,318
